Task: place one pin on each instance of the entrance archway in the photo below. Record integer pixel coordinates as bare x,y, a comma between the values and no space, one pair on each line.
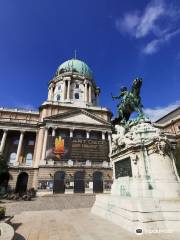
97,182
21,184
79,184
59,185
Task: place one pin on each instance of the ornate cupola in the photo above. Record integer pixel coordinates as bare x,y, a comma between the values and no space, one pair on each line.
73,84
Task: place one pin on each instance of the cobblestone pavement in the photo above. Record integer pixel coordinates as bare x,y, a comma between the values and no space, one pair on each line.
50,203
68,218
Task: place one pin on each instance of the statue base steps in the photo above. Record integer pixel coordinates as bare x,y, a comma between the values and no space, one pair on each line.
149,214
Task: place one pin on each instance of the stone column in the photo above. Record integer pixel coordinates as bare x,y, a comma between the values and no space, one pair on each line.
109,139
39,146
71,133
68,90
19,147
54,132
87,134
34,150
90,94
64,90
85,92
3,141
103,136
51,94
44,145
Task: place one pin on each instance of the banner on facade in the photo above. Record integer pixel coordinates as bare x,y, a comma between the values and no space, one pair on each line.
59,148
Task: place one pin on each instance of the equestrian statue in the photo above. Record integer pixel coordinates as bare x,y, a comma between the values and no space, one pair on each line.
130,101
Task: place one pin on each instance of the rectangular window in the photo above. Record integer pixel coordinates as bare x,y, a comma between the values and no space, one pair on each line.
31,142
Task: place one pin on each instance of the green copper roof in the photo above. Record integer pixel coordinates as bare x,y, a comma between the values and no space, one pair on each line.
76,66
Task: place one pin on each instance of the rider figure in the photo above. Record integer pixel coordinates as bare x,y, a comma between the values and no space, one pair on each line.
123,94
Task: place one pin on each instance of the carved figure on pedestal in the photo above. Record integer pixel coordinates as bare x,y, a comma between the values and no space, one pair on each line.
130,101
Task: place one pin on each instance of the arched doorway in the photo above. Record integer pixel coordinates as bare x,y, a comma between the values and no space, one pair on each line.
21,184
79,184
97,182
59,186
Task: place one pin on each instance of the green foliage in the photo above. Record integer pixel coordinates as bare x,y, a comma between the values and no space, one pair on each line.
3,166
2,212
177,156
3,174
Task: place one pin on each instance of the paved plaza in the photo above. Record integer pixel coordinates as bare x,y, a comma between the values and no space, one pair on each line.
67,217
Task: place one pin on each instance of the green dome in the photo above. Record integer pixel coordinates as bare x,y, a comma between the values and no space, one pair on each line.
76,66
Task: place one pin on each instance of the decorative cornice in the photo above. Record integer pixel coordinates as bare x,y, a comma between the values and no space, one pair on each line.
75,112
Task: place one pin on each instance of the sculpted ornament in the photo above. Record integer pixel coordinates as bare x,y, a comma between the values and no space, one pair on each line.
162,146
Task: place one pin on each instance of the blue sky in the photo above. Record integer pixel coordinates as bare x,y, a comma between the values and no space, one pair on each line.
119,40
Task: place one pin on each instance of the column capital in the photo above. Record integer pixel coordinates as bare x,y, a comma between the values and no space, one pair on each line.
67,78
53,132
103,135
71,132
86,81
5,130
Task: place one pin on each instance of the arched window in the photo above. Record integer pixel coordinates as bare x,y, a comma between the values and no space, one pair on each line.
15,141
76,95
12,157
30,142
58,97
29,158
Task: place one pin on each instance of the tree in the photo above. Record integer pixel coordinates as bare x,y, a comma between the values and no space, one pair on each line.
3,165
4,175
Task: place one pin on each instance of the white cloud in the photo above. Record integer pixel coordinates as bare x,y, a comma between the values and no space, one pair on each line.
152,46
141,24
128,24
155,44
148,20
158,112
158,19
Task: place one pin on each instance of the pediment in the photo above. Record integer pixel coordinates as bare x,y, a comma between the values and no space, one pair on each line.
78,116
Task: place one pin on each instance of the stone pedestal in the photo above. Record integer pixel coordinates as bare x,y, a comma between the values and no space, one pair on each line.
145,194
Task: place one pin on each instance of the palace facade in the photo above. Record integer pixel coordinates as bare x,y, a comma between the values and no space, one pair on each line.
63,147
170,123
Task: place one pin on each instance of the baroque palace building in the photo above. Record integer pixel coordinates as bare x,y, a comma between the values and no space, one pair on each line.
63,147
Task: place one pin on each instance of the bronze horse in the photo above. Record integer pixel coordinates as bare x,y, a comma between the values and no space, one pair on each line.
130,102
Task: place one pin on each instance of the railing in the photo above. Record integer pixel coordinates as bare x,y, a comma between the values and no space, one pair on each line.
35,122
78,164
19,110
17,164
63,164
